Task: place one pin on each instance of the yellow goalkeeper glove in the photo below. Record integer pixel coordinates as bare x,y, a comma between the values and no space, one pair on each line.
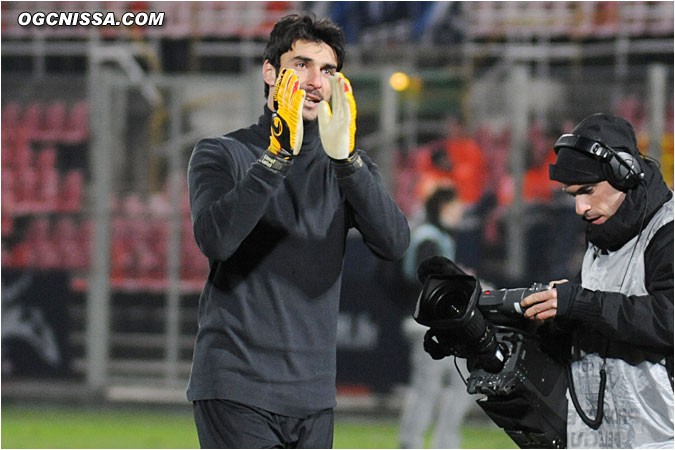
287,129
338,128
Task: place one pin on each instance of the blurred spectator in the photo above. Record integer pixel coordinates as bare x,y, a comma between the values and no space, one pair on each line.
542,215
384,22
446,25
455,161
436,389
537,187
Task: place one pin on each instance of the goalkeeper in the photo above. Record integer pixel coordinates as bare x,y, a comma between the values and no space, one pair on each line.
271,205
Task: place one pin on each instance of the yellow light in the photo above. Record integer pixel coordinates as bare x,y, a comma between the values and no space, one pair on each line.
399,81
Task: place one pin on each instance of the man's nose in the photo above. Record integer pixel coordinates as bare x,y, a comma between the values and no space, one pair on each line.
314,78
582,204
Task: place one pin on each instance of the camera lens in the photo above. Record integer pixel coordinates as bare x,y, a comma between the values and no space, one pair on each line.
451,300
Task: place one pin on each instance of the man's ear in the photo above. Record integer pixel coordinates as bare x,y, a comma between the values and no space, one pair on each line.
269,73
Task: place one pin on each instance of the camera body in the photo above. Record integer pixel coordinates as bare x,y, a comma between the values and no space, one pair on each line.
527,397
524,386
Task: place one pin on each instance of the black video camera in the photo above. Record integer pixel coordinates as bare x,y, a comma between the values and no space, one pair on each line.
523,383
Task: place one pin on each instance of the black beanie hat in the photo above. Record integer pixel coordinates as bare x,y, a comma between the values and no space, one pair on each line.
578,167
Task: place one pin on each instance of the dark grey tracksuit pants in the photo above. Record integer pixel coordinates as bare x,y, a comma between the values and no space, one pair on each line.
228,424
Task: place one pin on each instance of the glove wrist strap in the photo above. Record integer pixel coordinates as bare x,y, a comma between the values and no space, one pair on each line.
274,162
346,167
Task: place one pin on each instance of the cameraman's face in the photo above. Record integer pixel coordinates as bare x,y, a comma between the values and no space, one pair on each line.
596,203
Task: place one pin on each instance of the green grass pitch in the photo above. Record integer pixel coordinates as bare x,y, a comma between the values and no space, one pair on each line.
126,427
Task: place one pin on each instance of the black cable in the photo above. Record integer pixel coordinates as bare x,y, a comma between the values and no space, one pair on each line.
593,423
460,373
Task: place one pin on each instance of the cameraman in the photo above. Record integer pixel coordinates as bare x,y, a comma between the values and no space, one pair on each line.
620,314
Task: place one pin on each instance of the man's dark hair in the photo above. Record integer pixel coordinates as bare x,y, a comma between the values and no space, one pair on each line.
305,27
433,205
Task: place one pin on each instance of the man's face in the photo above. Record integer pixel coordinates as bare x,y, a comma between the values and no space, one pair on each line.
451,214
314,63
596,202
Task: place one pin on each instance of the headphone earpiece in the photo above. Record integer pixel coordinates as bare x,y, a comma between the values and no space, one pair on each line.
621,168
625,171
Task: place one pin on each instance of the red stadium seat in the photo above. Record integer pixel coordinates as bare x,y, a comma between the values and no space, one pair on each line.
22,155
70,192
46,159
53,124
21,255
11,116
25,187
77,124
46,256
86,236
67,243
8,203
46,190
7,152
8,194
122,260
36,250
32,119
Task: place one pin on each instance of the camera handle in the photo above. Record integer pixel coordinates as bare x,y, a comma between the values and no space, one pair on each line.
593,423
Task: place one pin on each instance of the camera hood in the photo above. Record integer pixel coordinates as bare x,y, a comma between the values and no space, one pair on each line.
447,301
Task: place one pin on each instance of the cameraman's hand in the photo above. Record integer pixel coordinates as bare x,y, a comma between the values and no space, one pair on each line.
338,127
542,305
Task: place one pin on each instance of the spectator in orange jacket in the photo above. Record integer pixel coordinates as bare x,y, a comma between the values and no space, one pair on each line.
456,161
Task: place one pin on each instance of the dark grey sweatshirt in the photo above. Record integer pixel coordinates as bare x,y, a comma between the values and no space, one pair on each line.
275,243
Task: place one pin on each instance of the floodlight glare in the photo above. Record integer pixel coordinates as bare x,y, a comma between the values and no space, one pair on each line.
399,81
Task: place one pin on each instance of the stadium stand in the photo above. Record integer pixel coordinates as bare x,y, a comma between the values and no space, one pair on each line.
47,218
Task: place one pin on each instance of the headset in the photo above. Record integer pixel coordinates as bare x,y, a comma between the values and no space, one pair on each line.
621,168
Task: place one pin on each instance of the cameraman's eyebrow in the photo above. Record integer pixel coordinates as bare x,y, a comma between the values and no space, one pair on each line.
584,189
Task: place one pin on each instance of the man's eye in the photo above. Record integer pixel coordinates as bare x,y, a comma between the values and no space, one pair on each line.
329,72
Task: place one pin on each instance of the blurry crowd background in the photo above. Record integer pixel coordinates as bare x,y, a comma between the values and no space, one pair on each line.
138,98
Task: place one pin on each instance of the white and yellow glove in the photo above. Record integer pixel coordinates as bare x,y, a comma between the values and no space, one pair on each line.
287,129
337,128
